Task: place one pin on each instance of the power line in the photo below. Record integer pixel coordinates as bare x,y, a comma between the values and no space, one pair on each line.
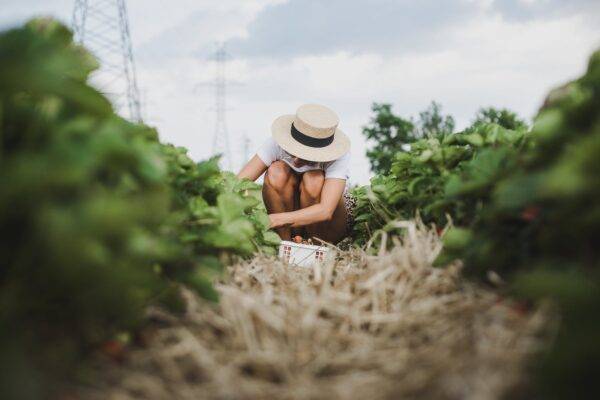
103,27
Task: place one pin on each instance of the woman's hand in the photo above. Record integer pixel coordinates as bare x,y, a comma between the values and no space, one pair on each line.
278,220
331,196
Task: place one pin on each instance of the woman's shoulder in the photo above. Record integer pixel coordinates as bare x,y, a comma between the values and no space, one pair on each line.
269,151
345,158
338,168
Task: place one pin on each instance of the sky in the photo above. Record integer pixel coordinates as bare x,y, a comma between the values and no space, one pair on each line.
345,54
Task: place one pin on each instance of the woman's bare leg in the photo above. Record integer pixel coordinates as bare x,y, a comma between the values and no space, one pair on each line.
280,193
310,193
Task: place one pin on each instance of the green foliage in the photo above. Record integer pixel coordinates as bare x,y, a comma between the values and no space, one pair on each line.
503,117
449,174
554,184
524,205
390,134
99,219
214,215
432,123
540,227
83,198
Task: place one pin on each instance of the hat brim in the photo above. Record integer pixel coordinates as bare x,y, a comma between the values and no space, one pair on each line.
280,129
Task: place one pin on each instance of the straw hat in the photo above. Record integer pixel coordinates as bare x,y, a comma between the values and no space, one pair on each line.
311,134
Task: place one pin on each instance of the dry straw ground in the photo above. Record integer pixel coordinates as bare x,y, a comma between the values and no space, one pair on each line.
359,327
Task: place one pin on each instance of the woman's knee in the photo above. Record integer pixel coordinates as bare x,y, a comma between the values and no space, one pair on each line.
312,183
279,175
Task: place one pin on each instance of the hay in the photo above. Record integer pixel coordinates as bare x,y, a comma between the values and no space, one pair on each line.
359,327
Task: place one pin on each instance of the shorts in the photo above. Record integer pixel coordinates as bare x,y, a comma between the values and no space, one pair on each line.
350,203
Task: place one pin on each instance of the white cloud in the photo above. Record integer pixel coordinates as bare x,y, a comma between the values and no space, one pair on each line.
500,63
488,59
18,11
193,28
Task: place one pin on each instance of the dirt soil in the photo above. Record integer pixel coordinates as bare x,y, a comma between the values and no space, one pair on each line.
358,327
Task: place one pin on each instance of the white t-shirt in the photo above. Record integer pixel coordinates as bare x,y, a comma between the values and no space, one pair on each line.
270,151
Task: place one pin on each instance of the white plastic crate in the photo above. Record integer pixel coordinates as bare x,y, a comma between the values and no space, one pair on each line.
302,255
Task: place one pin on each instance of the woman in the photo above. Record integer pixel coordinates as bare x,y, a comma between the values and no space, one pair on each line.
307,161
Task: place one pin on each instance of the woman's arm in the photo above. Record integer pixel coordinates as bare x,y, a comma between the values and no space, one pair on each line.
331,193
253,169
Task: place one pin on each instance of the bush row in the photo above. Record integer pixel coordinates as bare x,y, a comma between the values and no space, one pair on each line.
429,178
524,205
99,219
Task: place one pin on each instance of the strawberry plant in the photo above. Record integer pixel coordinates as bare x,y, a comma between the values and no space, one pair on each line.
99,219
548,192
214,216
84,195
426,179
539,228
524,205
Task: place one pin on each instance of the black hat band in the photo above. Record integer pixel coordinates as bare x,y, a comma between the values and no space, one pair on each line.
309,140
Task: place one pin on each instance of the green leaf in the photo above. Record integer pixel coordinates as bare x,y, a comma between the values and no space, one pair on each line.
457,238
271,238
473,139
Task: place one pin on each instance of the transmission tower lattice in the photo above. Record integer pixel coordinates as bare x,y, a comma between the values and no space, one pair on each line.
103,27
245,147
221,136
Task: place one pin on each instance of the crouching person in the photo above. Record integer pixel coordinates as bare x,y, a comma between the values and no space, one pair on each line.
307,162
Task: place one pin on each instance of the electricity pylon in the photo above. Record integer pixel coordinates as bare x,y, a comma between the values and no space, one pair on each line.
221,135
102,26
245,149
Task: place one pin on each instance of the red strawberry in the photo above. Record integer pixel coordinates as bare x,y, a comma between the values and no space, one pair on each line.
114,350
530,213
